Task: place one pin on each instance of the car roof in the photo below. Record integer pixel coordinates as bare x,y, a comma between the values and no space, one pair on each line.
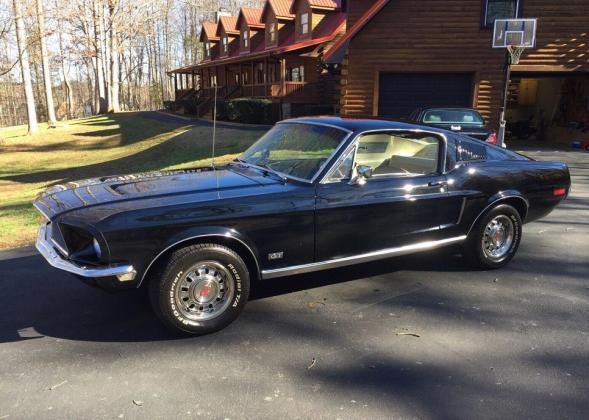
358,125
448,108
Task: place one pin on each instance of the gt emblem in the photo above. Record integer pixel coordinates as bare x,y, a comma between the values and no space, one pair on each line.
276,256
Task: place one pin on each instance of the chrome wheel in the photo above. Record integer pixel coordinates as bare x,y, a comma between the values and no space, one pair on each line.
204,291
498,238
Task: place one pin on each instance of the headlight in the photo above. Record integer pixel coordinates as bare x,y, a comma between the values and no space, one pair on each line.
81,244
96,247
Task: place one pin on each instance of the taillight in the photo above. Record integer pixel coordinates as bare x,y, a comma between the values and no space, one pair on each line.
492,138
559,192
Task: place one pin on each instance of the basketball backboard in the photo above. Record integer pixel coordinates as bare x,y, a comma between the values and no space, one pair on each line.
515,33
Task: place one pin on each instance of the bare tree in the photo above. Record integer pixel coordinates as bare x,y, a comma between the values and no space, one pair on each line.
23,56
45,62
110,54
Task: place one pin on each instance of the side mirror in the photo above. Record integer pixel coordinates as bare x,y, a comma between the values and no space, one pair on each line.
363,172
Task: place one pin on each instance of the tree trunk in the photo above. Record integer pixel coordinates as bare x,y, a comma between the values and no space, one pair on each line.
114,105
100,106
66,81
23,55
45,62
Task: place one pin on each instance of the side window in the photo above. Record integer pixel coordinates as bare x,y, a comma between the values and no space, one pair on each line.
399,153
469,150
343,171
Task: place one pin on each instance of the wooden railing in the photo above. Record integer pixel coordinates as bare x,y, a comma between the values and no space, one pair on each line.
296,90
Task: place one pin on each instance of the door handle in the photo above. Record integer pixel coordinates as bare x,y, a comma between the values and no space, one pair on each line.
437,184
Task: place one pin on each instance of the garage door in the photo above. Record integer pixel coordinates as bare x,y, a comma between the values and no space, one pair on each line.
401,93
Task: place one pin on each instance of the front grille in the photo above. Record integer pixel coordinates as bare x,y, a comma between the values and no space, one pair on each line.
57,239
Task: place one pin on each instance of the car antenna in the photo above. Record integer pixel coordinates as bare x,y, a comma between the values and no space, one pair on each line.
214,125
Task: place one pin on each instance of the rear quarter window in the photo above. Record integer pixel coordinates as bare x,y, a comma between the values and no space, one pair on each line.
470,150
467,150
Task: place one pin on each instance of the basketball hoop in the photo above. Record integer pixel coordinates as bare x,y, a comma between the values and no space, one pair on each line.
515,35
515,53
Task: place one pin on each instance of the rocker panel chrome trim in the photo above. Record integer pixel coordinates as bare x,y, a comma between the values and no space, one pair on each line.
357,259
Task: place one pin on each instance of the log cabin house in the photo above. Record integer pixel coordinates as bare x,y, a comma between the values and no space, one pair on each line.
398,55
273,53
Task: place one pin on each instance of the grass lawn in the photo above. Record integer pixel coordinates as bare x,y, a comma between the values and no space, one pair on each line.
97,146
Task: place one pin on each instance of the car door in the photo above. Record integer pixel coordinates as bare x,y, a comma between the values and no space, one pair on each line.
403,203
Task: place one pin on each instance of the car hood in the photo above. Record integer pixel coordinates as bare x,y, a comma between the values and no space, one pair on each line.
71,196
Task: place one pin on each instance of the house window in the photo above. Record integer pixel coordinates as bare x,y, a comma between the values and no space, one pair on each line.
246,40
499,9
208,49
272,30
245,78
225,44
305,23
261,76
297,74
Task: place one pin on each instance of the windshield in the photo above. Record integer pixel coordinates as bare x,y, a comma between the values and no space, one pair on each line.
452,116
294,149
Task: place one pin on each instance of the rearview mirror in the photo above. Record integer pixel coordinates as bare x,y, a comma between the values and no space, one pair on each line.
363,172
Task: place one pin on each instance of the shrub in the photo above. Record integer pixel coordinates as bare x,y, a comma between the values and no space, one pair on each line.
247,111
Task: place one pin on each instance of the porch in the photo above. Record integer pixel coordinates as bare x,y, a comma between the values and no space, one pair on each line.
290,79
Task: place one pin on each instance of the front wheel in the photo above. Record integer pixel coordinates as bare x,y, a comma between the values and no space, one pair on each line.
495,238
200,289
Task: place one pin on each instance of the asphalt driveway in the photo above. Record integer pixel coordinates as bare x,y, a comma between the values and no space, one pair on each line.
418,337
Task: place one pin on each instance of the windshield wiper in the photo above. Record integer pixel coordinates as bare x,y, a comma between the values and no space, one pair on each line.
269,170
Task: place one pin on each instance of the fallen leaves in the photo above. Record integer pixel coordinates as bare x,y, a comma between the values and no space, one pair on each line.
312,363
51,388
409,334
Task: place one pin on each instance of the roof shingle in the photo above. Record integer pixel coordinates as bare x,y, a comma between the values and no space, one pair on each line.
229,23
281,8
210,29
253,17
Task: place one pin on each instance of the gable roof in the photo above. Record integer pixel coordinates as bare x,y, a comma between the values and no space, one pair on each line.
210,29
281,9
229,23
328,4
336,52
323,35
318,4
253,17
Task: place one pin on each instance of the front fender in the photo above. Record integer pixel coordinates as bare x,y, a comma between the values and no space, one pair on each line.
198,234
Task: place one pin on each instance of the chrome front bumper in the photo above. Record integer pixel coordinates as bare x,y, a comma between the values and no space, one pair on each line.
44,246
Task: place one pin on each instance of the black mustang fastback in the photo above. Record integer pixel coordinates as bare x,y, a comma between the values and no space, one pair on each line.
311,194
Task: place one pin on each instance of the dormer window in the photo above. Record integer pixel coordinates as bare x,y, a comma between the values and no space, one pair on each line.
208,49
272,30
225,44
305,23
246,41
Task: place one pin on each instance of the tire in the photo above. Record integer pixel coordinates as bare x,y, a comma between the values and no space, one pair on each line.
494,239
200,289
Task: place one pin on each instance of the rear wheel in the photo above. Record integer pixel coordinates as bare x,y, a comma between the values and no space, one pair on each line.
200,289
495,238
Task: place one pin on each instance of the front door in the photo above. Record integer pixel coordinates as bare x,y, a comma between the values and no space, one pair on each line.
403,203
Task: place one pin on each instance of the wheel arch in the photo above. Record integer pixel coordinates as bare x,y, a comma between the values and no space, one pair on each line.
225,237
514,199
